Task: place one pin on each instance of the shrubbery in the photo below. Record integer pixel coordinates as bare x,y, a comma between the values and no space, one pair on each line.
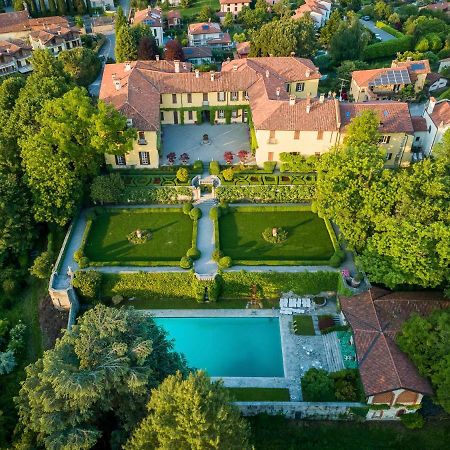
225,262
195,213
388,48
107,188
266,194
87,283
412,421
185,262
42,265
182,174
193,253
214,168
165,195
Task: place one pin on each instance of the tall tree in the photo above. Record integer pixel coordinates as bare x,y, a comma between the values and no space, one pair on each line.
330,28
173,51
52,8
126,49
42,7
190,413
95,382
363,130
82,64
120,19
62,7
147,49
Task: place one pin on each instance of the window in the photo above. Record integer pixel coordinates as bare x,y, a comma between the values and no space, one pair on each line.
234,96
144,158
272,134
296,134
221,96
189,98
221,113
317,154
141,138
300,87
245,95
429,129
120,160
234,114
320,135
384,139
190,115
270,156
287,87
162,116
205,96
417,138
174,98
388,156
245,115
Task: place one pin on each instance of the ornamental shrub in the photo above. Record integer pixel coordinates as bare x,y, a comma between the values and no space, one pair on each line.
195,213
193,253
7,362
42,266
182,174
412,421
16,337
185,262
214,168
216,255
87,283
317,386
269,166
198,166
187,208
225,262
214,213
337,258
228,174
84,262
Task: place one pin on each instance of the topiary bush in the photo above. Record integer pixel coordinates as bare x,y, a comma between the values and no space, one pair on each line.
214,168
187,208
412,421
269,166
185,262
195,213
337,258
182,174
228,174
216,255
214,213
225,262
87,283
280,236
193,253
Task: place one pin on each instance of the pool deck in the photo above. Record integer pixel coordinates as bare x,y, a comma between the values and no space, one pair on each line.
213,313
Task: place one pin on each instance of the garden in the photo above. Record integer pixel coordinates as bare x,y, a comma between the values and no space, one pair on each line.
287,235
137,237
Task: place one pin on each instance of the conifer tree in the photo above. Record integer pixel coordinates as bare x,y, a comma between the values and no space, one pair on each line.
125,45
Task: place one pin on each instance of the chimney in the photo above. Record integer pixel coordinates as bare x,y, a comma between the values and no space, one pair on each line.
278,92
211,73
197,73
307,73
308,104
431,105
117,85
271,55
409,58
157,57
114,76
292,99
292,54
267,74
176,63
184,66
234,67
127,67
322,98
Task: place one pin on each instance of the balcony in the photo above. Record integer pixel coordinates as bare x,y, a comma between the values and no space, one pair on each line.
205,102
272,141
142,141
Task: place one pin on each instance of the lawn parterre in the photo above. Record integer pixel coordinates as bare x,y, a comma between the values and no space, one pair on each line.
106,242
308,242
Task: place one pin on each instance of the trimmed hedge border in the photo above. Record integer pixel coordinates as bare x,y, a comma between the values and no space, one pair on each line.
167,195
268,179
392,31
266,194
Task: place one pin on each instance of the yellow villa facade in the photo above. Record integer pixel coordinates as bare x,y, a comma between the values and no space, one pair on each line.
277,97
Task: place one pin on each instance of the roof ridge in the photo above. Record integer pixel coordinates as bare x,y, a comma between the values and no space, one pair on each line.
392,359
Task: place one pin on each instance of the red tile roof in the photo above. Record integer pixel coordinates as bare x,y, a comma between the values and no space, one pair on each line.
204,28
441,113
58,33
419,123
19,21
376,316
149,14
232,2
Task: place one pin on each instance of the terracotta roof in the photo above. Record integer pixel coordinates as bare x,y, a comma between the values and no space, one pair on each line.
197,52
13,21
149,14
243,48
419,123
433,77
225,38
12,46
394,116
441,113
173,14
57,33
376,316
416,67
204,28
41,23
438,6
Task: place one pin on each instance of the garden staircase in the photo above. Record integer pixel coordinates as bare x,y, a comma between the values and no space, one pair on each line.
333,352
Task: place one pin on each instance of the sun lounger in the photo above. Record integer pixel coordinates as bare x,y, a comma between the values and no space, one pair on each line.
292,303
307,302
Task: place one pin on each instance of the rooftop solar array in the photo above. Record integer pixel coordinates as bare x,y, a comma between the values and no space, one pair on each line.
418,66
392,77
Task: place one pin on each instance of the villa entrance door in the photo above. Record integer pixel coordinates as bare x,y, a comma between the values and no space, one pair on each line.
205,115
175,117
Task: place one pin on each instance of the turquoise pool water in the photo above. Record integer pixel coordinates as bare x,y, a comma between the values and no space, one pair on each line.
228,347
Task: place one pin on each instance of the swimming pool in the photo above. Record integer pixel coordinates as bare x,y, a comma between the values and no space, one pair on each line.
228,347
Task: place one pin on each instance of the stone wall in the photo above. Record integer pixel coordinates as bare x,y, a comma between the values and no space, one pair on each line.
299,410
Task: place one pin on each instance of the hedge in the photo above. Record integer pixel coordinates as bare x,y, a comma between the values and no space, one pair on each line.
286,179
392,31
388,48
196,168
165,195
266,194
154,180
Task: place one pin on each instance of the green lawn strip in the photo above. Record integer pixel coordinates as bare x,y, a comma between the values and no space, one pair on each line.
251,394
308,238
197,5
25,308
107,244
303,325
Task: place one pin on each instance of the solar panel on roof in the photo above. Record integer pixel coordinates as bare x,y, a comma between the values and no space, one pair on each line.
205,27
392,77
385,113
188,51
347,114
417,66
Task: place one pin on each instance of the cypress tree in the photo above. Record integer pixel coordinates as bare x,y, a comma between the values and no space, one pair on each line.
52,7
42,7
62,7
125,45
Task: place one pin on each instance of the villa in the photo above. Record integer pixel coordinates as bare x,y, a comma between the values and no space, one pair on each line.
208,33
437,122
319,11
389,378
152,18
56,39
14,57
385,83
233,6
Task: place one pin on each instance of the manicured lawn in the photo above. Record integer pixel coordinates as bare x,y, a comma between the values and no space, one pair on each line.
171,236
241,238
260,394
196,6
303,325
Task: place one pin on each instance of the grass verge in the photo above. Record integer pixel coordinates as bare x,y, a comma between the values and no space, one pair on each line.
303,325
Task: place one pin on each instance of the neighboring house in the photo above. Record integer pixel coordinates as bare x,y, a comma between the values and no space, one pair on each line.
174,2
279,93
420,137
242,50
55,39
14,57
437,117
198,55
442,6
106,5
385,83
233,6
319,10
436,81
388,377
208,33
152,18
19,25
173,19
443,63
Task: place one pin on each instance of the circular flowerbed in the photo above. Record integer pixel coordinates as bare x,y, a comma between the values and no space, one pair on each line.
275,235
139,236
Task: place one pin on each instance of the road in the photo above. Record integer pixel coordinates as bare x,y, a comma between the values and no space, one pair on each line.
107,51
384,36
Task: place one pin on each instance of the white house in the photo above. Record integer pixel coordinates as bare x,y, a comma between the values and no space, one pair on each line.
14,57
152,18
56,39
437,116
208,33
319,10
233,6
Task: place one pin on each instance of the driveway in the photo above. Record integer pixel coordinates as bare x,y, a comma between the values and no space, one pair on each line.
107,51
384,36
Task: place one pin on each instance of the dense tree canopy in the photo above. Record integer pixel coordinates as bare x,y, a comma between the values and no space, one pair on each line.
95,383
426,341
82,64
192,413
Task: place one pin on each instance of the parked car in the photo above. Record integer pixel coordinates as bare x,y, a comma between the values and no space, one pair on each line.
377,36
366,18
